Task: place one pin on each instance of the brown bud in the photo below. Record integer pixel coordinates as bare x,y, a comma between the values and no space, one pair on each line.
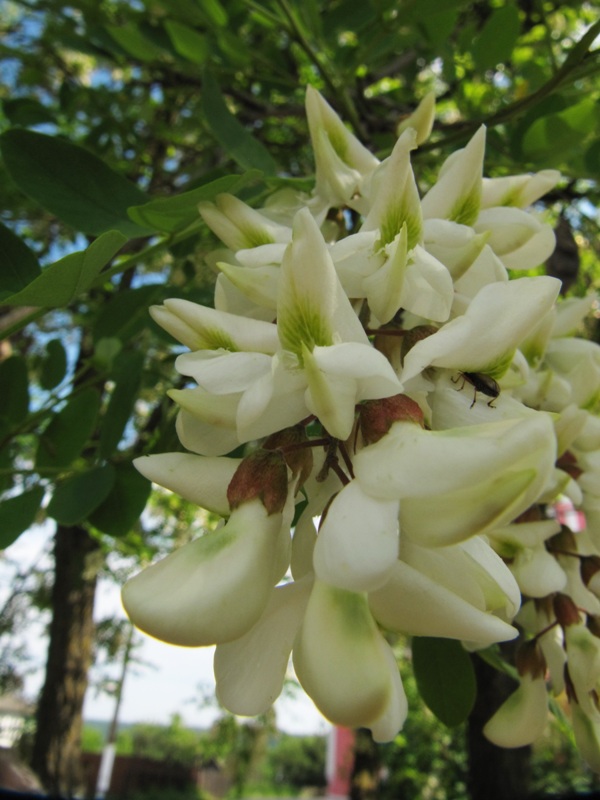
378,416
530,660
568,463
414,335
563,541
263,475
532,514
588,567
298,458
566,611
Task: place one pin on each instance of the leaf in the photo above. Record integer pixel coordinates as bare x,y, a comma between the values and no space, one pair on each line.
214,12
70,182
18,265
127,376
17,514
14,389
76,497
125,503
68,431
62,282
176,213
247,151
133,42
187,42
445,678
54,365
126,313
26,111
497,39
551,139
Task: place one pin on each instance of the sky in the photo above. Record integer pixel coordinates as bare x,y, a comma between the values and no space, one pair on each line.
171,680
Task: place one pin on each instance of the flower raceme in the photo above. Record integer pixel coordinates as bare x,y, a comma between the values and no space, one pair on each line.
412,409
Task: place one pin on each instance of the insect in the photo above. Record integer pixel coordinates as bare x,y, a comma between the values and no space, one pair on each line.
480,383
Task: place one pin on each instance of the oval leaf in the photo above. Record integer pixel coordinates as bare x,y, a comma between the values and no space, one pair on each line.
54,365
14,394
125,503
247,151
71,182
76,497
127,375
18,265
445,678
68,431
61,282
17,514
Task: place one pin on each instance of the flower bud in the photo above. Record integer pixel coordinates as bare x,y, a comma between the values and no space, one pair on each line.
530,659
298,459
415,335
566,611
262,475
589,567
378,416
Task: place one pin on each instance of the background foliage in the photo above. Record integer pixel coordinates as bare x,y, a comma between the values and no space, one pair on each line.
119,116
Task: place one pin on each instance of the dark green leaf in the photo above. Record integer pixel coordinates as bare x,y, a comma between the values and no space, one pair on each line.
126,313
127,375
14,389
133,42
17,514
445,678
177,212
214,12
18,265
61,282
26,111
495,43
69,430
70,182
552,138
125,503
54,365
247,151
75,498
187,42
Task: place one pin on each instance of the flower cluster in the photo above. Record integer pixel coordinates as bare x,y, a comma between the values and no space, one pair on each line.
408,414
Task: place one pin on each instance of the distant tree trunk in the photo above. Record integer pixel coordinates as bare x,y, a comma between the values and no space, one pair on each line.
495,773
56,747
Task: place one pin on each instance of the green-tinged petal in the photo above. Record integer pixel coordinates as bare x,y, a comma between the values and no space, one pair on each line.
201,480
357,545
396,201
587,736
456,195
331,398
386,727
238,225
259,284
340,659
413,604
221,372
521,719
421,119
211,590
485,337
383,287
250,671
456,246
518,190
216,330
204,436
518,238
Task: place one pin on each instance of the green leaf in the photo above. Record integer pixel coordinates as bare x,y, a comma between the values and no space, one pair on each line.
445,678
62,282
125,503
76,497
175,213
54,365
17,514
18,265
26,111
14,389
126,313
70,182
68,431
127,375
187,42
497,39
247,151
551,139
213,12
133,42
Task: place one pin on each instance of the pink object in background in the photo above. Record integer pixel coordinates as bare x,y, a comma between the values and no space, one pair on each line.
340,761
